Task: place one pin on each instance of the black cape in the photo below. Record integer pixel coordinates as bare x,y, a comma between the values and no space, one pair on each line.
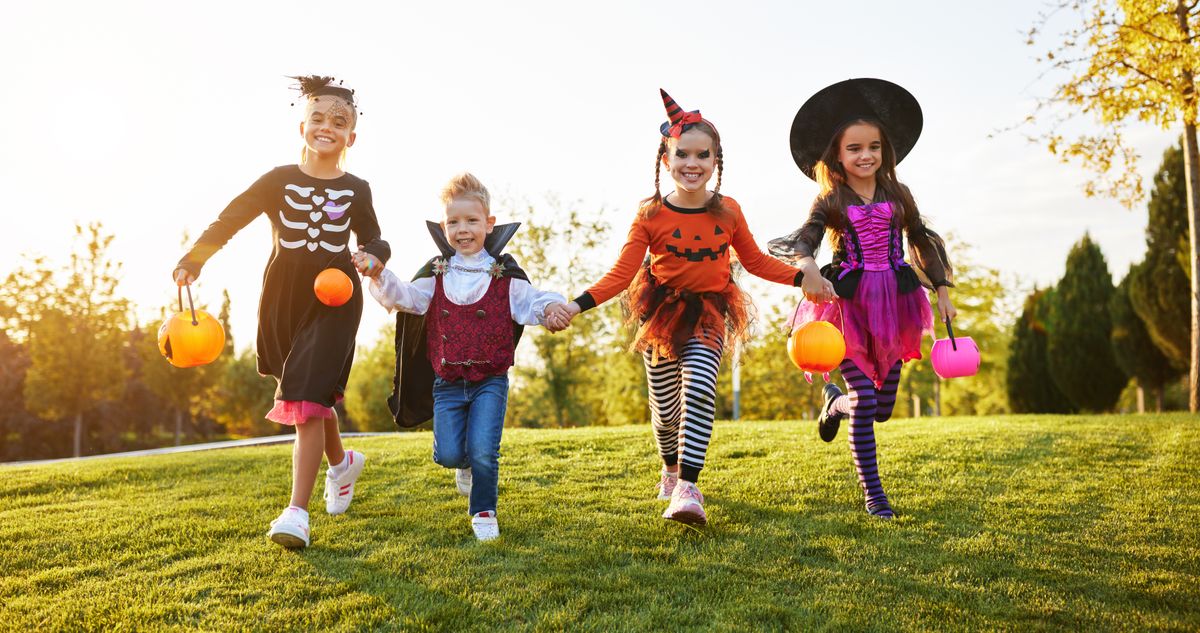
411,402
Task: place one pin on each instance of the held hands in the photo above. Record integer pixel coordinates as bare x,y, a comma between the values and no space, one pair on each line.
945,307
367,264
558,315
816,288
557,318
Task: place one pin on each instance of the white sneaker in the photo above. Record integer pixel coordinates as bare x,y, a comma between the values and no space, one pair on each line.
290,529
339,489
666,485
462,479
485,526
687,504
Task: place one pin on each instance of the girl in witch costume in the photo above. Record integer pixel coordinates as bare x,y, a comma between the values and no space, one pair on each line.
684,302
474,300
849,137
306,345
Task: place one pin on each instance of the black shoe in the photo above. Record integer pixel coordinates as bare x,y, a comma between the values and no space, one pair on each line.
829,421
883,510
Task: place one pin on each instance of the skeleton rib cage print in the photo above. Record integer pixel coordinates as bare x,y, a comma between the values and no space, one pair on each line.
317,220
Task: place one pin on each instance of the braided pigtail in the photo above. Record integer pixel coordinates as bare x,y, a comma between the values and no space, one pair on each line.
714,204
650,205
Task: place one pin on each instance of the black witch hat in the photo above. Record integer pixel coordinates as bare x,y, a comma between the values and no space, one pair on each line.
834,106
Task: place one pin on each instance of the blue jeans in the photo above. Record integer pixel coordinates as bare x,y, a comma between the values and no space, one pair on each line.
468,418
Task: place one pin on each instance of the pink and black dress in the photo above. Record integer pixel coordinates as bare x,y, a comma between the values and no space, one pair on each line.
878,307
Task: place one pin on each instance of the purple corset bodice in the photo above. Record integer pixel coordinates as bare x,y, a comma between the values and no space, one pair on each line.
872,243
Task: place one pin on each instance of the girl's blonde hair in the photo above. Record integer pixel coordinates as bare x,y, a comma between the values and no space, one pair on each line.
466,185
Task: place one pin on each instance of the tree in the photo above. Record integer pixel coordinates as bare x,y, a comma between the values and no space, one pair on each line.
1030,387
772,387
1158,289
560,386
1135,352
243,397
1129,60
13,363
371,382
189,391
75,347
1079,346
985,310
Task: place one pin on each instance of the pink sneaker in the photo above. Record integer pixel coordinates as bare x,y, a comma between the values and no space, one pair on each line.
687,504
666,485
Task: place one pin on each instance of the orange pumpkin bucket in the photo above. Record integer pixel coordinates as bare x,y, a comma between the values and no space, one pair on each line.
333,287
190,341
817,347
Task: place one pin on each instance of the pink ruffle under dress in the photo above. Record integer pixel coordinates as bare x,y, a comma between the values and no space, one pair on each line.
880,324
294,412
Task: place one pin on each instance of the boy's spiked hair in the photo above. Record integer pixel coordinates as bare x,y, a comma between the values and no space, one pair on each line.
466,185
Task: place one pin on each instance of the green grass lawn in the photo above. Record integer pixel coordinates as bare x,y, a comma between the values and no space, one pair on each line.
1049,522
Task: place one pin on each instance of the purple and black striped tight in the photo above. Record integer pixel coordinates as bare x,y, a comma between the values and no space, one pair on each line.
865,406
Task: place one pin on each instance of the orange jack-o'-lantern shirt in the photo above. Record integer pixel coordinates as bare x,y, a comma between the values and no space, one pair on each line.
689,250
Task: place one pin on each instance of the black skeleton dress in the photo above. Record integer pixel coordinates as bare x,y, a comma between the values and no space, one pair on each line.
306,345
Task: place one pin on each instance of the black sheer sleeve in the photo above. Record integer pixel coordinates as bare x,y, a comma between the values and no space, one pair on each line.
804,241
928,253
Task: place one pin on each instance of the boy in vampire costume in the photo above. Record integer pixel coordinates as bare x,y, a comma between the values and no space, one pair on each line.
459,323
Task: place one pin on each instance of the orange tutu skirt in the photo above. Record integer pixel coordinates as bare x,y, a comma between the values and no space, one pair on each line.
666,318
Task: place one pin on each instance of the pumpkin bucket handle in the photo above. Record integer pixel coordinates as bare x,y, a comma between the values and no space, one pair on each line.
950,331
190,304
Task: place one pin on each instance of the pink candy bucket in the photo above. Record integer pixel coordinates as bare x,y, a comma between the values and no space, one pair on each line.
954,357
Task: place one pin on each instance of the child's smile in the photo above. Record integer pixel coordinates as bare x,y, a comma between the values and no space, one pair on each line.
467,225
328,127
691,160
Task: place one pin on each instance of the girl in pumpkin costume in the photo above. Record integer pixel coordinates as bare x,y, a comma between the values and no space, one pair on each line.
305,345
849,137
685,305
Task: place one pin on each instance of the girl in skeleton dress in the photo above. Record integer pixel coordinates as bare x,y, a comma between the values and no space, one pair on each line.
313,207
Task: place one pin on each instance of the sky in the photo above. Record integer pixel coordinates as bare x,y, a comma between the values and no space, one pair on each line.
150,117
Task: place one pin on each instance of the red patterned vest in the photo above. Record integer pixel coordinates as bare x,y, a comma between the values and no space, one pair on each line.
472,341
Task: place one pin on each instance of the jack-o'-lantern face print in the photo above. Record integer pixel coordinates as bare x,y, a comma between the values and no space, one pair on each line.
698,246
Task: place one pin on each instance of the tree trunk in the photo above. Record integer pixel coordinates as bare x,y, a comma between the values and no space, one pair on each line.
1141,399
1191,154
937,398
1191,162
178,425
79,434
916,406
736,375
1158,399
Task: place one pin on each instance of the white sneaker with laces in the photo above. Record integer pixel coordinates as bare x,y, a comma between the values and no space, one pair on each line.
339,488
462,479
485,526
290,529
666,485
687,505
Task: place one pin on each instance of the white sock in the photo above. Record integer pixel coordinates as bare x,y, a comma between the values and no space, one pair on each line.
341,468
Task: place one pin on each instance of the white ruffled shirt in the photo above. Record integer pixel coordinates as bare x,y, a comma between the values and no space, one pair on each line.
464,283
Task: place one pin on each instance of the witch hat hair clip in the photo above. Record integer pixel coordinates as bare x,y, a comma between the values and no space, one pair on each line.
895,108
677,119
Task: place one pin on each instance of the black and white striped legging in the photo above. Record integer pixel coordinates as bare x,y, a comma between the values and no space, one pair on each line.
684,390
